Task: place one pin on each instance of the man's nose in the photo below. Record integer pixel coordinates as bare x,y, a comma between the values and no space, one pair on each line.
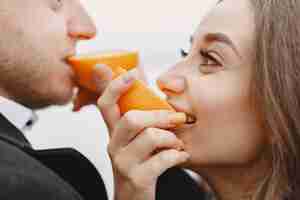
81,27
171,83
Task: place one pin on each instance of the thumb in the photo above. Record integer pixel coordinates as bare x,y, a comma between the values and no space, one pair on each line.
101,76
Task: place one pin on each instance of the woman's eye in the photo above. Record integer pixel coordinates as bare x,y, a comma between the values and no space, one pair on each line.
209,59
183,53
209,63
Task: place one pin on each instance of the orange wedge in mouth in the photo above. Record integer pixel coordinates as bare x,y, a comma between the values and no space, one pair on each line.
83,65
138,97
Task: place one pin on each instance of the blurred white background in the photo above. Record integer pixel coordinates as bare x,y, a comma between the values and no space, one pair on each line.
158,29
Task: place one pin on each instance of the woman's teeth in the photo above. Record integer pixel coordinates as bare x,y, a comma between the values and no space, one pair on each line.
190,119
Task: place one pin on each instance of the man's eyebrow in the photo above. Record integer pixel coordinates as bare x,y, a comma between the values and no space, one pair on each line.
221,37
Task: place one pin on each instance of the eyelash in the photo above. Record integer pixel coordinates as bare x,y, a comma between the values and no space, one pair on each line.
209,57
204,54
183,53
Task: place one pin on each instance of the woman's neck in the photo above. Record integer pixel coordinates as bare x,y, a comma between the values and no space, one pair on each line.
238,183
243,187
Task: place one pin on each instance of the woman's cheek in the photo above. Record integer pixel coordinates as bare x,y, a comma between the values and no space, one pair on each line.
227,131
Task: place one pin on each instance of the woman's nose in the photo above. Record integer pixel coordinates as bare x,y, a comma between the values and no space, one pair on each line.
171,83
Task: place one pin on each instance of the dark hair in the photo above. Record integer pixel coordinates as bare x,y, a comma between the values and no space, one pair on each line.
276,82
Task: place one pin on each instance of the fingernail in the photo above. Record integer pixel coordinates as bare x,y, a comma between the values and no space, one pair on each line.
177,118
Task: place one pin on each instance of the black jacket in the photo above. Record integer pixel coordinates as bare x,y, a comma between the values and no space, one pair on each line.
65,174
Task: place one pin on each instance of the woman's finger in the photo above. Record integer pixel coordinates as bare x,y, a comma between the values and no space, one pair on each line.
150,170
107,103
133,122
102,75
149,141
83,98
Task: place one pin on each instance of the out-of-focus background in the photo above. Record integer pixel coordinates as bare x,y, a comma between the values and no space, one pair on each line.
158,29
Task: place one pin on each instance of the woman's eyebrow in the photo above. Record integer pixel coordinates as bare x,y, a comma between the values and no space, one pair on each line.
221,37
191,39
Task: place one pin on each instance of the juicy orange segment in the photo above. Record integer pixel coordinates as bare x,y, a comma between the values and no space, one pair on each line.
138,97
83,64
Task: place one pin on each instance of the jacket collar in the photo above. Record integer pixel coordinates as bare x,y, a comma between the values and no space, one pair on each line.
20,116
9,133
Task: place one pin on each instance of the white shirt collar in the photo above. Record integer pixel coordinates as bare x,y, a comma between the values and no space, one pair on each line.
21,117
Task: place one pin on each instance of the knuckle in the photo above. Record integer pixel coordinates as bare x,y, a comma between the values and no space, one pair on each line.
159,137
161,114
170,135
168,156
101,86
131,119
163,157
114,87
102,104
152,136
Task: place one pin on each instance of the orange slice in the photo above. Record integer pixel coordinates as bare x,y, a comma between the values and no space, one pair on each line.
83,64
138,97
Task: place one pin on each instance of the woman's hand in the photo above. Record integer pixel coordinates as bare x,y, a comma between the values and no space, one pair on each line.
102,76
140,147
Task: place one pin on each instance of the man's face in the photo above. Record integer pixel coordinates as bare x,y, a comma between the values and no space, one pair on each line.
36,37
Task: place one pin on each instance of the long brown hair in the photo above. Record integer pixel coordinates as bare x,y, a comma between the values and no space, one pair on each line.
276,90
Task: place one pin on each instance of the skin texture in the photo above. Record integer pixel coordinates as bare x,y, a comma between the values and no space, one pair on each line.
135,145
227,143
36,38
217,93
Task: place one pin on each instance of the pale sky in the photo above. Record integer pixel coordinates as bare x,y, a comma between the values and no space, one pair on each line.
157,28
147,15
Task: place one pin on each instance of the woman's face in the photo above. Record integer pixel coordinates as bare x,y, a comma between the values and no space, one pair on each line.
212,83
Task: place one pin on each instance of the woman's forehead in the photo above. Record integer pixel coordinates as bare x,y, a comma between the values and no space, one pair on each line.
233,18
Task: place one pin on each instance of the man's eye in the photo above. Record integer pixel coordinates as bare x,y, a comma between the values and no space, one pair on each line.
183,53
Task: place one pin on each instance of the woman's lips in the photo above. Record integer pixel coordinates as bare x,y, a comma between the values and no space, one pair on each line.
190,118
